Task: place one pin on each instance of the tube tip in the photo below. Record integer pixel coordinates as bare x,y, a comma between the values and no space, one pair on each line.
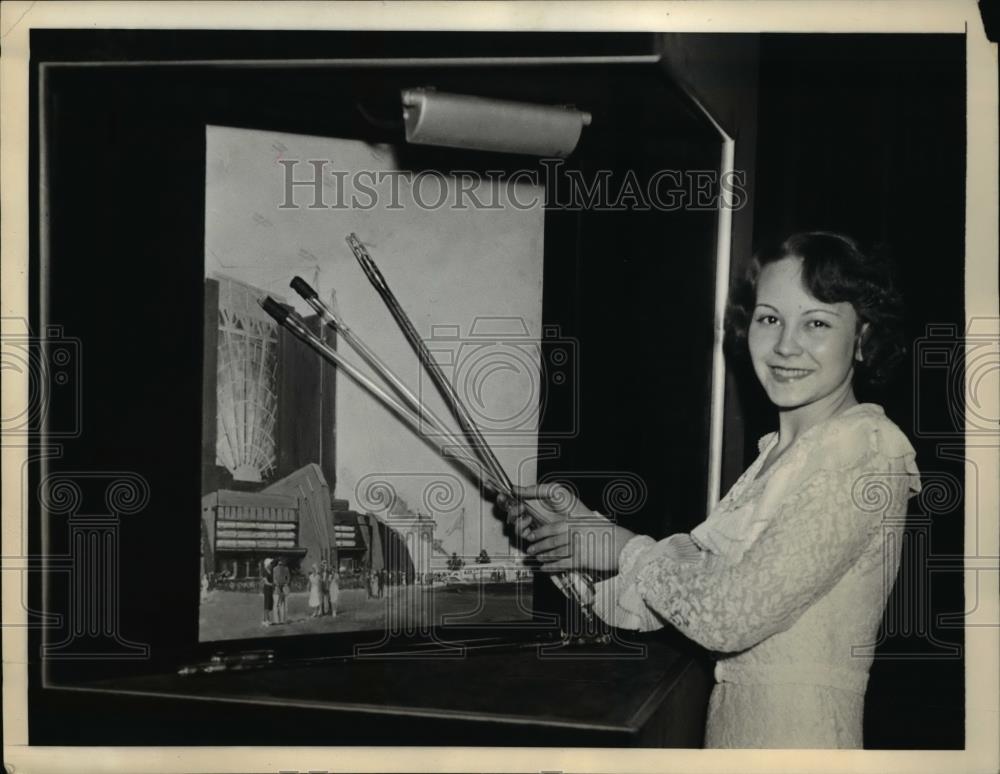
367,262
273,308
303,288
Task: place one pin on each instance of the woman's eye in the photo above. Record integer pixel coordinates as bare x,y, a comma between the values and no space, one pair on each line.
767,319
818,324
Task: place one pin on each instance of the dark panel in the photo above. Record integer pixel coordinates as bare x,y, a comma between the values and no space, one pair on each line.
328,416
209,45
211,480
503,698
298,425
306,400
127,159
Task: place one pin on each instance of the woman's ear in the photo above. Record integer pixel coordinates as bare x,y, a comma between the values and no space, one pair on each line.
859,342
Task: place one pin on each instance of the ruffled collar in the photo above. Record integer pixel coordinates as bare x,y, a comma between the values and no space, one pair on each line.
767,441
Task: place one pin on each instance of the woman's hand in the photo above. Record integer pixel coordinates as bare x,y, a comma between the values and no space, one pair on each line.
565,535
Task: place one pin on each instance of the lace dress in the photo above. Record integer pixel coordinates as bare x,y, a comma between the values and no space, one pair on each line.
786,580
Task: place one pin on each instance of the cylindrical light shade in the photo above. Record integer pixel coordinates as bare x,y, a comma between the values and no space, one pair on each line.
477,123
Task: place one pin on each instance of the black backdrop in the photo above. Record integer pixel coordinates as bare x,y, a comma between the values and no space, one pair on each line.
865,134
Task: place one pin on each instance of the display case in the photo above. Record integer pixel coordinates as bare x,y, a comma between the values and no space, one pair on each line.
248,447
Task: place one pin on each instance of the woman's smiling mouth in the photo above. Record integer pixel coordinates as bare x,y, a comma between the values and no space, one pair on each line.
783,374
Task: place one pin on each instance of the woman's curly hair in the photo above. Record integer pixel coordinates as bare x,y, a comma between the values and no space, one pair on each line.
834,269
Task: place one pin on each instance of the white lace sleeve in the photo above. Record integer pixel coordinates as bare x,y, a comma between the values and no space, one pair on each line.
617,600
818,529
818,534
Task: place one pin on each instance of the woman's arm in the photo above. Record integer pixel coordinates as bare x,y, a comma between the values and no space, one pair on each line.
813,539
817,527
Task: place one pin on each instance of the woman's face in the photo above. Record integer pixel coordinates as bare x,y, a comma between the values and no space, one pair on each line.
802,349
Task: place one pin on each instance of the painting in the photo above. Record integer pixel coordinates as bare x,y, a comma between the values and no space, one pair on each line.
308,474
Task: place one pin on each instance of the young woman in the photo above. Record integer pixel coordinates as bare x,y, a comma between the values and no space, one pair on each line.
787,578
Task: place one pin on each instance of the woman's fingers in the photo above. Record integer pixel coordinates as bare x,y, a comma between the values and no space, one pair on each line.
510,506
533,491
525,526
547,530
516,514
548,544
556,496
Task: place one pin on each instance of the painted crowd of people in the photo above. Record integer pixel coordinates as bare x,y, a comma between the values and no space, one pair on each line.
275,584
324,586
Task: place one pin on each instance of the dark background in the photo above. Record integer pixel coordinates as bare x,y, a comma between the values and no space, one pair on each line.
861,134
866,136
